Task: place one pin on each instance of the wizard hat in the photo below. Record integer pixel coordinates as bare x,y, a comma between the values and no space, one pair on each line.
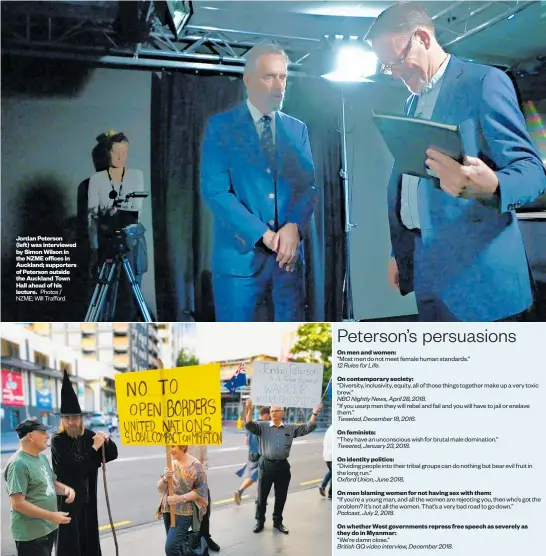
69,400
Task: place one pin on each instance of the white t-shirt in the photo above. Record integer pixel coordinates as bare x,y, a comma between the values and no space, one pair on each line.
98,197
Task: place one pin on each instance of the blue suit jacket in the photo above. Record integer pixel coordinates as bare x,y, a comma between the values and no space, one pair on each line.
239,186
474,253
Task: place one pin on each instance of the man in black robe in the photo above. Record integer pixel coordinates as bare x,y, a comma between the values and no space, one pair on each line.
76,453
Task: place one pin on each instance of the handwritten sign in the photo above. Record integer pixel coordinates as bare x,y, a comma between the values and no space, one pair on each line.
286,384
170,407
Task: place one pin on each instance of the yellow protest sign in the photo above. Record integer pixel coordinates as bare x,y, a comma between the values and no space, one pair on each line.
170,407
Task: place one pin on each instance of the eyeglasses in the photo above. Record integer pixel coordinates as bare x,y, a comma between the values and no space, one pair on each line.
386,69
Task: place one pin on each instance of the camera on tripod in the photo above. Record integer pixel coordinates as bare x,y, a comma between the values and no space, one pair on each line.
117,235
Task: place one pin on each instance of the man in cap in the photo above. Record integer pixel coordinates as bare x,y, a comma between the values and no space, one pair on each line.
32,489
77,455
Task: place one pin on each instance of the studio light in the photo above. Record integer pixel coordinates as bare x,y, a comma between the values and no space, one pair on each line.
345,61
354,64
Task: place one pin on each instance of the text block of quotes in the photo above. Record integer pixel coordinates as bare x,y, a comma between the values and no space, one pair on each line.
170,407
440,438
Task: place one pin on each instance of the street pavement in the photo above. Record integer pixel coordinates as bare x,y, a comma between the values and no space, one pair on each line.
133,495
307,515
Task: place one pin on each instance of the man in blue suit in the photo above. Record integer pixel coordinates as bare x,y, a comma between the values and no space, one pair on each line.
257,177
455,239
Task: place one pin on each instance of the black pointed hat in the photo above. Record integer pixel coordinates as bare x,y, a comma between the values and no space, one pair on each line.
69,399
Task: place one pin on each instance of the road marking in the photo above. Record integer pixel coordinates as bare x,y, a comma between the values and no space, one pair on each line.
229,500
212,450
116,525
311,482
139,458
225,466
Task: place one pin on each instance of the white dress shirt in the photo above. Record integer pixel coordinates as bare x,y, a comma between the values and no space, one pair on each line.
409,209
257,116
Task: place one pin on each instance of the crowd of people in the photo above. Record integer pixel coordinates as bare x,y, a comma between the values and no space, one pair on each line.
55,505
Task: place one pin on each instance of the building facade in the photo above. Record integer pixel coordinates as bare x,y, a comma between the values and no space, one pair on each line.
32,371
174,337
123,345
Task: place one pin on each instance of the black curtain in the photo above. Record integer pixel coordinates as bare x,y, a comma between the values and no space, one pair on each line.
181,106
316,103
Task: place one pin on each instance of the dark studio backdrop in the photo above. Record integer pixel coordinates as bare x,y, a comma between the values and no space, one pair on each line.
182,103
52,111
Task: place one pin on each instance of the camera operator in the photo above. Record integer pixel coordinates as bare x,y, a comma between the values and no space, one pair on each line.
110,211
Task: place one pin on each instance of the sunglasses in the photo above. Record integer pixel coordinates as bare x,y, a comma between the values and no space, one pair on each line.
386,69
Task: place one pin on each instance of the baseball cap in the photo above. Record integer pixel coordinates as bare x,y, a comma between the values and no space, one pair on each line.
29,425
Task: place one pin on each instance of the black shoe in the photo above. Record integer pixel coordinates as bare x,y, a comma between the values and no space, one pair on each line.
259,527
281,528
322,491
212,545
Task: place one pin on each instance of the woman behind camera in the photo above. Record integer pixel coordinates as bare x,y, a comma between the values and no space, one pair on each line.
189,500
108,209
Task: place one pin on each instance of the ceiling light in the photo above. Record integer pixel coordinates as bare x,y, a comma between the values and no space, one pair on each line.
343,9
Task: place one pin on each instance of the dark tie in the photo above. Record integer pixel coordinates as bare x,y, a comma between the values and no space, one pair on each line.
268,145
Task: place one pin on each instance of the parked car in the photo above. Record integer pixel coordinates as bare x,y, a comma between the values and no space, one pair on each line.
98,420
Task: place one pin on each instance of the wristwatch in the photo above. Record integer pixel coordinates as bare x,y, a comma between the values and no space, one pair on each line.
315,414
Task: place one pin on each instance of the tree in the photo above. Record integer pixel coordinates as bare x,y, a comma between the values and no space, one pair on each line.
314,345
186,358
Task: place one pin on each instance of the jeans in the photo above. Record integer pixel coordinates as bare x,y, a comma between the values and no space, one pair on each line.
328,478
37,547
176,534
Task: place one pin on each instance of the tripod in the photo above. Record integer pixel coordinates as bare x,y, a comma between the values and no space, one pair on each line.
108,281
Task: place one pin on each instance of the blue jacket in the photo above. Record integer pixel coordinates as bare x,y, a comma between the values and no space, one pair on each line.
475,257
239,187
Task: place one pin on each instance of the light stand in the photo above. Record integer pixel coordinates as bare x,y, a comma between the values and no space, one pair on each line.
350,70
348,312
